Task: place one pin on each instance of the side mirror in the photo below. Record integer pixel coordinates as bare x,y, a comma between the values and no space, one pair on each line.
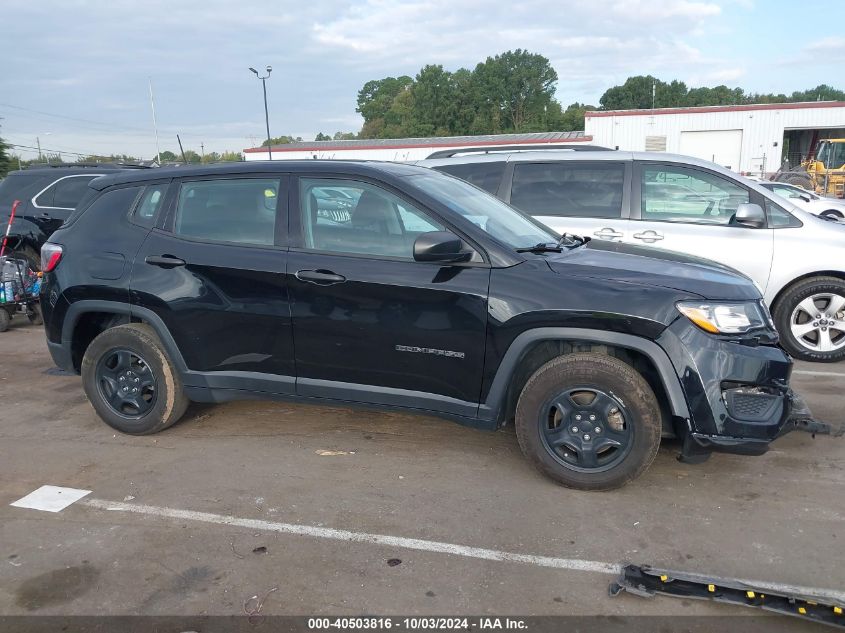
750,215
441,246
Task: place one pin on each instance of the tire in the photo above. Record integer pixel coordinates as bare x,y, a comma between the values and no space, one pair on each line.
35,317
832,213
30,255
824,341
562,395
5,319
799,179
127,357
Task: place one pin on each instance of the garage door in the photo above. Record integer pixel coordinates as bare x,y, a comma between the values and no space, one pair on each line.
723,147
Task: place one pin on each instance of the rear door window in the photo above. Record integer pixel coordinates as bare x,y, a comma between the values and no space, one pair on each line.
485,176
569,189
241,210
674,193
66,192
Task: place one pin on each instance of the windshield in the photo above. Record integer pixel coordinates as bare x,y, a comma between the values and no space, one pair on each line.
490,214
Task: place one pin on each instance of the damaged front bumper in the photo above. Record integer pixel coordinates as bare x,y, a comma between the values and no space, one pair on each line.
795,416
738,394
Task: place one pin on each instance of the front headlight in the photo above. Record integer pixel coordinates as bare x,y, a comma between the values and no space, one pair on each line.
726,318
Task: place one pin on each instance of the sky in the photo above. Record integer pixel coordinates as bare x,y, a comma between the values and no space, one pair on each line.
74,73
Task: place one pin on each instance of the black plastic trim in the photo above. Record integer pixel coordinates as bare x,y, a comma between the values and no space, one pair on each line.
373,394
498,390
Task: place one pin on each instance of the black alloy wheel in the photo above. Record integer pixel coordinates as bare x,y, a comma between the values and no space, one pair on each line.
126,383
586,429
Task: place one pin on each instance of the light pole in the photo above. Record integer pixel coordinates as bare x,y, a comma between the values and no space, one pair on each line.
266,113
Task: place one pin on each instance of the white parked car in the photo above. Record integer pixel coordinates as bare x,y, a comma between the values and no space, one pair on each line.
807,200
690,206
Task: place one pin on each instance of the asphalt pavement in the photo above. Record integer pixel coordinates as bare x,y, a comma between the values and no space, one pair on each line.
330,510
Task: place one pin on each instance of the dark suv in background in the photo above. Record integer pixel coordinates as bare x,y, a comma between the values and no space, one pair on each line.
426,294
47,196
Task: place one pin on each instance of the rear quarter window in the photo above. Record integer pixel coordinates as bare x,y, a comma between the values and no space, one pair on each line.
70,191
109,204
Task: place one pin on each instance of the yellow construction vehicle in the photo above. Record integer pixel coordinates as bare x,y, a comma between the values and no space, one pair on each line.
823,171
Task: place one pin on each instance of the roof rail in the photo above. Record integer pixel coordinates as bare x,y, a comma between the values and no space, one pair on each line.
88,164
576,147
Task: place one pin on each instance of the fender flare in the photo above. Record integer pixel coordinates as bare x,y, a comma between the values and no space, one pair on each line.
78,308
666,370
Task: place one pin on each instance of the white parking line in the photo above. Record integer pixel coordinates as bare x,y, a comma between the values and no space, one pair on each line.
360,537
807,372
439,547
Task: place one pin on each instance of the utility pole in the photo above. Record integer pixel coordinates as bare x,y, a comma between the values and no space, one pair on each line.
202,152
38,142
155,126
653,93
266,111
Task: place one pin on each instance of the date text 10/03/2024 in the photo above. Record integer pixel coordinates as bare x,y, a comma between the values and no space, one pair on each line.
417,623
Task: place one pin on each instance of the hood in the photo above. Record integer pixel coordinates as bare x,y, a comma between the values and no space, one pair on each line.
655,267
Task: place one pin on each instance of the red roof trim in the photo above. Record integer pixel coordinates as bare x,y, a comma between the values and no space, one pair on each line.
318,148
702,109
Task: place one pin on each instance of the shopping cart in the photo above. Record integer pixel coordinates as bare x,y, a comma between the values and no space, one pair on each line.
20,287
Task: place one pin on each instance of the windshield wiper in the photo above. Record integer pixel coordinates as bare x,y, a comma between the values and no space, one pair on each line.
567,240
574,240
546,247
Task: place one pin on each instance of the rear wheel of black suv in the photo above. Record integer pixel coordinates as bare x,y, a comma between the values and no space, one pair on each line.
131,382
810,318
588,421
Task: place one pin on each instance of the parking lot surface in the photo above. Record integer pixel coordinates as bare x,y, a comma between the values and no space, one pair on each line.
291,493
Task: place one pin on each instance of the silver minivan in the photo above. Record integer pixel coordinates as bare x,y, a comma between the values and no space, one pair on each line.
687,205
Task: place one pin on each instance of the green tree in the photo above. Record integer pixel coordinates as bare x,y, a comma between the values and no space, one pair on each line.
191,157
720,95
819,93
572,119
634,94
344,136
281,140
514,89
231,157
376,97
431,95
168,157
5,159
211,157
322,137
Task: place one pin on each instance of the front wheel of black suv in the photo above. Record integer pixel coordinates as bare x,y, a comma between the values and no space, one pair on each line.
588,421
810,318
131,382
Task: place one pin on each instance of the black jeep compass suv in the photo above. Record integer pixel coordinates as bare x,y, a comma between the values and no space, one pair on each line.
427,294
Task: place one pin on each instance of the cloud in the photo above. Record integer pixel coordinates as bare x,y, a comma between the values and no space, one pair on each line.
827,46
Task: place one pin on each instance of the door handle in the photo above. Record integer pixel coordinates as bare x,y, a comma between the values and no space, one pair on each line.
649,236
320,277
165,261
608,233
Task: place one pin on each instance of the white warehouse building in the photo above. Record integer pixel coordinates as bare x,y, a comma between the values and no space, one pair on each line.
750,139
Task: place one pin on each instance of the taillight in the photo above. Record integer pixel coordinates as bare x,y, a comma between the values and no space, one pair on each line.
51,255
